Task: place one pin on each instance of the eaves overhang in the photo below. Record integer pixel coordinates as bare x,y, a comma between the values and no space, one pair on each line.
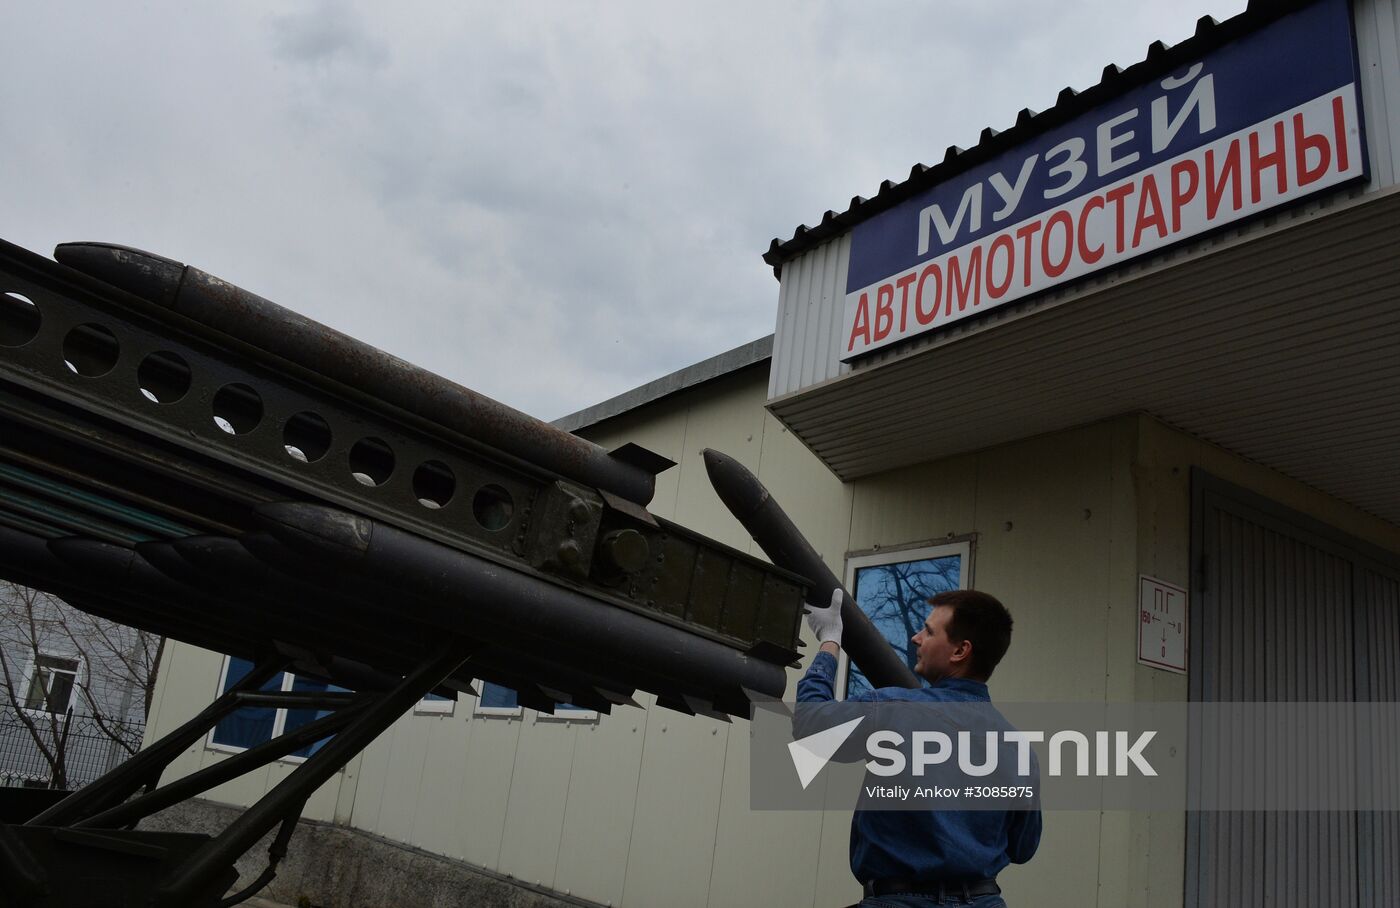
1281,345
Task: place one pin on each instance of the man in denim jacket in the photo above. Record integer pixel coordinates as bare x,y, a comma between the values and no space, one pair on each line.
932,857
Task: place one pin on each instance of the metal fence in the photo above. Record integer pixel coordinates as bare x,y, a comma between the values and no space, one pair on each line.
86,747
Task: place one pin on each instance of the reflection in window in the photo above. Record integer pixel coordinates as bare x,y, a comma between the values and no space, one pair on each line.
497,696
895,596
252,725
435,704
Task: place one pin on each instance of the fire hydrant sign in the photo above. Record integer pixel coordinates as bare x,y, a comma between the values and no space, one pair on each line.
1161,624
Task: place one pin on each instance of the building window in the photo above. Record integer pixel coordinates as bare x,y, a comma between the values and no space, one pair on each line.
53,684
253,725
496,700
893,589
435,704
499,700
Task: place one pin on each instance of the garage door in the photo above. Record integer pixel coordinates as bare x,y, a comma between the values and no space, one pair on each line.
1287,609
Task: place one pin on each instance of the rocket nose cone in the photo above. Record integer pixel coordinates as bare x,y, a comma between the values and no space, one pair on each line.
101,558
725,479
218,552
318,528
144,274
722,467
168,562
736,486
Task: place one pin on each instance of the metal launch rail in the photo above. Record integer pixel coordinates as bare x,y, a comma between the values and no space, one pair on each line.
180,455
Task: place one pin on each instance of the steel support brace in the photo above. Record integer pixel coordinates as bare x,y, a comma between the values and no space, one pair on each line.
192,880
146,766
24,880
297,700
232,767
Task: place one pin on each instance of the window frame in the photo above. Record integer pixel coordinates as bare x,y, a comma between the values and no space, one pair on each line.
427,707
518,711
500,712
33,667
964,546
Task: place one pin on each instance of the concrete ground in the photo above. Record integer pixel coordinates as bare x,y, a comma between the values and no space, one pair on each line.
342,867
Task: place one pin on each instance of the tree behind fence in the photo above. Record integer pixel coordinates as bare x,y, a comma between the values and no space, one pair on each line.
88,748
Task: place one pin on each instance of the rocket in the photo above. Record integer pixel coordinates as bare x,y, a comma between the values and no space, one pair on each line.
306,346
759,512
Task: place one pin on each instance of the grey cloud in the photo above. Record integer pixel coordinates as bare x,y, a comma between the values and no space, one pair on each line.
329,32
549,202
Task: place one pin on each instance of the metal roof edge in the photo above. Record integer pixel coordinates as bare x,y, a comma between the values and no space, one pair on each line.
1150,266
706,370
1160,59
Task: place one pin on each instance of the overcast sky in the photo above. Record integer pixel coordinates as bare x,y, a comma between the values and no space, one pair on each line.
551,203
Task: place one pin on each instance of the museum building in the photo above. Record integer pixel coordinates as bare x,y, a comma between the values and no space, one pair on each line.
1130,365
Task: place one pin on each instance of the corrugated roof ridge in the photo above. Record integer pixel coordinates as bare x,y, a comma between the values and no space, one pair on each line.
1161,58
706,370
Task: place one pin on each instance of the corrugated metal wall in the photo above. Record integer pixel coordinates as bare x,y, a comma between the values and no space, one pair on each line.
811,298
812,294
1378,47
1380,681
1289,613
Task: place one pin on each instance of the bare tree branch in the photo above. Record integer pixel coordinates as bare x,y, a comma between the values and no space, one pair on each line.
114,680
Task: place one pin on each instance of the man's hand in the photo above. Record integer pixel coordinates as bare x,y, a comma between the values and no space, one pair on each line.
826,622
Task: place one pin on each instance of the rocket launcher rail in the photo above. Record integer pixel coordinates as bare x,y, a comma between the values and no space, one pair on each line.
321,353
182,456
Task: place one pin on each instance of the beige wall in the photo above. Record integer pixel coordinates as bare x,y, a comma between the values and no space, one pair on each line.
648,807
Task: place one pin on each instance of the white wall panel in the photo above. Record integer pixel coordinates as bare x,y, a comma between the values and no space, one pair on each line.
597,827
484,786
369,788
677,815
1378,47
539,791
403,775
195,673
438,800
811,296
763,857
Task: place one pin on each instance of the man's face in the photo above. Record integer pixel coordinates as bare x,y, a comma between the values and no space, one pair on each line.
937,656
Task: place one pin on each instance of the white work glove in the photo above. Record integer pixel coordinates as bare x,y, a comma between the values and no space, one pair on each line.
825,622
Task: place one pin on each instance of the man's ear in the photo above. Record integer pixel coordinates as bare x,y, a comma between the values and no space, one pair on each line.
962,653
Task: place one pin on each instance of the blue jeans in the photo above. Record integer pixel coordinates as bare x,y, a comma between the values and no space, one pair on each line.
923,900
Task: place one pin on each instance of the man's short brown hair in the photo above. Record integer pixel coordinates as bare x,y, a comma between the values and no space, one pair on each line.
981,618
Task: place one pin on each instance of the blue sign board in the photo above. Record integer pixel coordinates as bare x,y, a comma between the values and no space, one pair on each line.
1264,120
